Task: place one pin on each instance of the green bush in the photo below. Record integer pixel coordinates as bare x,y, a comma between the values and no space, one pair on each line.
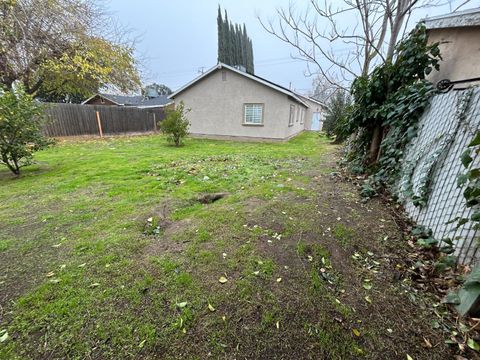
175,125
21,118
336,117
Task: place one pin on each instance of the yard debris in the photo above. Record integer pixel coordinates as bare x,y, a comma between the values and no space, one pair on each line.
222,279
181,305
94,285
210,307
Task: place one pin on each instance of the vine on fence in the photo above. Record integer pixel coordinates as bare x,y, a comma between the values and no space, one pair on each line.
394,96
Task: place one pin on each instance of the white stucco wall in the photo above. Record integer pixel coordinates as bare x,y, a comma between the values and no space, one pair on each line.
217,107
460,50
313,107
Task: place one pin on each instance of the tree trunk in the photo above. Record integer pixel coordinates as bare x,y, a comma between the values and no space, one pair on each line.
375,144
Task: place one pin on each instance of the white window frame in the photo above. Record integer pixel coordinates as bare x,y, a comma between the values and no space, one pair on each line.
302,116
250,123
297,115
292,115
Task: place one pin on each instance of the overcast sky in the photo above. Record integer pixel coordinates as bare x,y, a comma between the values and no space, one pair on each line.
179,38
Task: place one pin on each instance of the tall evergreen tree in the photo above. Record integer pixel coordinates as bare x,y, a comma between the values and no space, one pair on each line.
221,37
234,45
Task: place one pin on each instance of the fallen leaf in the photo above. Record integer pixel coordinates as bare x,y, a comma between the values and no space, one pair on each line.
409,357
278,325
390,331
256,272
181,305
94,285
50,274
367,286
141,344
4,336
356,332
150,219
82,265
472,344
210,307
279,279
368,300
224,318
428,344
222,279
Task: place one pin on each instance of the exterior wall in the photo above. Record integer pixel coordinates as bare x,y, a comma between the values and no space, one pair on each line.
313,107
97,100
217,107
460,50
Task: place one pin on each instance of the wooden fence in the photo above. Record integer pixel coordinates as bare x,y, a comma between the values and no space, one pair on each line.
78,120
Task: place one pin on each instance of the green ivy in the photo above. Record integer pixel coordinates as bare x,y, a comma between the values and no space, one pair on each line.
471,181
394,97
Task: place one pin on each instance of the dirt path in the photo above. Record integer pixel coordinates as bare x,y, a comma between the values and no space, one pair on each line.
330,290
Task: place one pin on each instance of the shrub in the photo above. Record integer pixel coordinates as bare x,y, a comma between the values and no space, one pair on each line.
21,118
175,125
337,116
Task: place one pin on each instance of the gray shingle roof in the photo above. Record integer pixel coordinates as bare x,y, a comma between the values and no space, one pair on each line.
137,100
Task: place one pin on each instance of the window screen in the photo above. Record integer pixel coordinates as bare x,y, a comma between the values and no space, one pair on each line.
253,114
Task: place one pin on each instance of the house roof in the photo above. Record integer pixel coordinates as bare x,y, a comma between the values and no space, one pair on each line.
465,18
309,98
247,75
135,100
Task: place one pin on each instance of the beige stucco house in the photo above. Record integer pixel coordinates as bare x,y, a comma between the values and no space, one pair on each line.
225,102
459,36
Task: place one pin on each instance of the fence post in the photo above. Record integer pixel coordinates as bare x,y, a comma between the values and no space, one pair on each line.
99,124
154,123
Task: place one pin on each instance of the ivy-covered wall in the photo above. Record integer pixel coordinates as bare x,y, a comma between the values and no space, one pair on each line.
431,165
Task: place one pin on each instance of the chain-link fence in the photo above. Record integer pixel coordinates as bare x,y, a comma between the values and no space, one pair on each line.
431,167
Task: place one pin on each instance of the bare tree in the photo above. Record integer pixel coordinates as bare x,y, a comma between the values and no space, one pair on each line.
344,42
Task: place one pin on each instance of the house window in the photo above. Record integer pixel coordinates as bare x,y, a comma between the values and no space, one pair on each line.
297,118
292,115
253,114
224,76
302,116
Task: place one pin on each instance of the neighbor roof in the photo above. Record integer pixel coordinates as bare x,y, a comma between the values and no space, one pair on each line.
470,17
247,75
135,100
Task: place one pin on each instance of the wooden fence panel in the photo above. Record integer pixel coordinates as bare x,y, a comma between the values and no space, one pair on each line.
78,120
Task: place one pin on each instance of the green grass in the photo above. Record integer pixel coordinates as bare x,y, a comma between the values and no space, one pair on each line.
84,207
87,274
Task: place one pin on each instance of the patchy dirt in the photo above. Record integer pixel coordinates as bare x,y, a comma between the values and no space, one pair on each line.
359,300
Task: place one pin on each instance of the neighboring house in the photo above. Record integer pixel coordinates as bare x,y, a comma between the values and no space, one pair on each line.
459,36
138,101
225,102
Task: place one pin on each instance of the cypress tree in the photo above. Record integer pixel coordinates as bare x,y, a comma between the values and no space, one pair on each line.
228,43
234,46
221,37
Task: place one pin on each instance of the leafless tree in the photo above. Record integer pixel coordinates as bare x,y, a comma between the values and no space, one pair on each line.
343,42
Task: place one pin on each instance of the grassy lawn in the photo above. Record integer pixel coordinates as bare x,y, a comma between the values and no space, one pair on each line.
106,252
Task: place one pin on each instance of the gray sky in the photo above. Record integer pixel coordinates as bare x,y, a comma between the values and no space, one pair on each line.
179,37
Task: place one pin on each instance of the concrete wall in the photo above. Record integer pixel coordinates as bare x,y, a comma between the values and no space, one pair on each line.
460,50
217,107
